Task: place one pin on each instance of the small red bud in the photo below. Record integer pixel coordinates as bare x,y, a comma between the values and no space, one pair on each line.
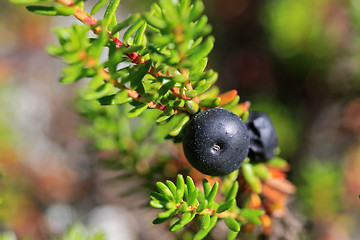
162,107
118,43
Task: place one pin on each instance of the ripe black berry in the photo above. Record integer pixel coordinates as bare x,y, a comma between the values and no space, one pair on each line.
263,138
216,142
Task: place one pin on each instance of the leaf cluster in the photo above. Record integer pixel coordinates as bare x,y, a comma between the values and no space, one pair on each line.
134,142
188,202
160,62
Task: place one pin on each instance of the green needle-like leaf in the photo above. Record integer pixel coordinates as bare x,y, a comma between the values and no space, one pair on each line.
164,190
98,45
185,219
261,170
161,40
184,5
197,9
122,97
169,111
159,220
167,213
180,184
133,48
213,192
255,220
232,235
190,184
207,187
225,206
157,196
210,102
127,22
98,5
179,78
232,103
165,216
202,206
162,118
155,21
140,34
172,187
203,87
191,106
231,194
204,220
170,205
156,204
107,100
199,27
54,50
132,29
250,177
232,224
183,207
64,10
137,111
200,52
102,91
200,67
251,213
110,11
180,126
171,15
136,77
203,232
277,162
42,10
191,94
192,198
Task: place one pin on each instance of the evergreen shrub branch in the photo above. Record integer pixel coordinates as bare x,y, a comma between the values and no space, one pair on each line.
159,64
191,202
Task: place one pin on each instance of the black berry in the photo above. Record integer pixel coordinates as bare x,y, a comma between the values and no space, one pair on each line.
216,142
263,138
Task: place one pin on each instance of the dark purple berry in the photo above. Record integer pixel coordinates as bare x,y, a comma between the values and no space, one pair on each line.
263,138
216,142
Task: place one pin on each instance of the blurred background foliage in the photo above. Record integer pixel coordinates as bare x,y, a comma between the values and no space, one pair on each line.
299,61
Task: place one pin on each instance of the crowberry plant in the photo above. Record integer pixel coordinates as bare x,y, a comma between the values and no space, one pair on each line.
157,71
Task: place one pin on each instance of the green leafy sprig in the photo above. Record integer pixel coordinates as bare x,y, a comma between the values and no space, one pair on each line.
160,63
188,201
164,52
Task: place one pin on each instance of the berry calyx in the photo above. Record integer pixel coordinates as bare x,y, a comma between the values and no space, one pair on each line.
216,142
